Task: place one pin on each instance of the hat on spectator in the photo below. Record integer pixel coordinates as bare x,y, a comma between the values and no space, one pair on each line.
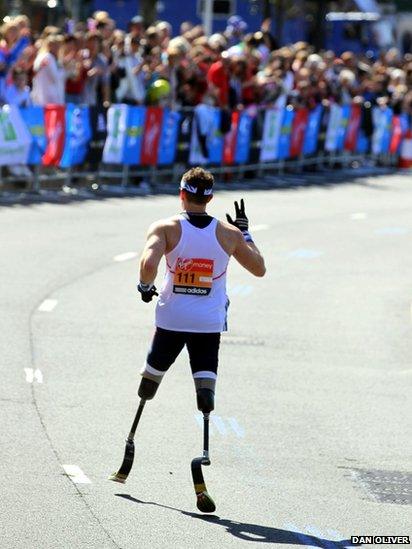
136,20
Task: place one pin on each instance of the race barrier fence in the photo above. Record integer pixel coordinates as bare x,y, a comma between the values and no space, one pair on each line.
148,142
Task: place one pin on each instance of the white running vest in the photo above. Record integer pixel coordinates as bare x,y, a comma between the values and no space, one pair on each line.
193,295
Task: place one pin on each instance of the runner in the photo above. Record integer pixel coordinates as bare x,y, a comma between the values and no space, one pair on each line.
192,305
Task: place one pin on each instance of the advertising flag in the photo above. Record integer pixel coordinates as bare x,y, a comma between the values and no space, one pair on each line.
399,129
271,131
230,140
244,136
151,136
116,134
168,137
298,132
34,119
343,126
332,132
286,133
353,128
206,144
54,116
382,129
133,142
15,138
310,141
77,135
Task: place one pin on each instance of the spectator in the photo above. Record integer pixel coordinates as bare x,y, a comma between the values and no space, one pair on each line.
132,87
97,85
18,92
49,76
218,78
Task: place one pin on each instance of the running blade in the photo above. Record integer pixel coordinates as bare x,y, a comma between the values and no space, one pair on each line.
126,466
204,503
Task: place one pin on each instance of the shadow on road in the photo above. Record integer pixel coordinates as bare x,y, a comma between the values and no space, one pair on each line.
252,532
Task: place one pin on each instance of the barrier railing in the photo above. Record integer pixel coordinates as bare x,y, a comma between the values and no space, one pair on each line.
62,144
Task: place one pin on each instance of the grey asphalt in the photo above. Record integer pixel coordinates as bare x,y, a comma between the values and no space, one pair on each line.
312,429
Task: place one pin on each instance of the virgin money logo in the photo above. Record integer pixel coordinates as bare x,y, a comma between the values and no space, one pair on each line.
184,264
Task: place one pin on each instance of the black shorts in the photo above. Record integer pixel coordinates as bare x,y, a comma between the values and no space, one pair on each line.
203,349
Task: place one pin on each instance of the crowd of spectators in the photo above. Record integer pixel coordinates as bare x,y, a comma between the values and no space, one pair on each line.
95,63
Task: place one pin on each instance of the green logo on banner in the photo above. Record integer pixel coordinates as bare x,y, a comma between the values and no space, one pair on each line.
9,133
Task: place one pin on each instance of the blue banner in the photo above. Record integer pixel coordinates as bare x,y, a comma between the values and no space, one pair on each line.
286,133
168,137
382,122
343,126
134,135
215,139
310,142
244,135
78,135
34,120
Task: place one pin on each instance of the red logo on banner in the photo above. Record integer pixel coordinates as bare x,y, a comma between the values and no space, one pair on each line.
151,136
396,135
54,116
230,142
298,131
352,131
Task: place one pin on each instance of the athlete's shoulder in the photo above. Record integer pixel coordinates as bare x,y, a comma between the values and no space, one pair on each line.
229,229
166,223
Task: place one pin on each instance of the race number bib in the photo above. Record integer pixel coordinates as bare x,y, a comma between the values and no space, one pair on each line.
193,276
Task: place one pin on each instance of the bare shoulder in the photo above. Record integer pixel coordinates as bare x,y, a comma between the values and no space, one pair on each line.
164,224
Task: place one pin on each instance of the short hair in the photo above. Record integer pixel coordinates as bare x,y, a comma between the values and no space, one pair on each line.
202,180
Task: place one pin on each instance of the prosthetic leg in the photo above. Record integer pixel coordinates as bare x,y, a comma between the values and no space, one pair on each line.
205,402
147,390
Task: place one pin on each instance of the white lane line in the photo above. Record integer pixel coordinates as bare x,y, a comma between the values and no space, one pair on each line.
359,215
125,256
236,427
240,289
48,305
303,253
392,230
33,375
75,474
257,228
219,424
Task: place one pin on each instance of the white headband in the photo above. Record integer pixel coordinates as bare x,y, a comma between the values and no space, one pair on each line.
189,188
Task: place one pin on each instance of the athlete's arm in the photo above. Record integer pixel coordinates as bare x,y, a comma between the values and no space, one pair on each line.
245,250
248,255
152,253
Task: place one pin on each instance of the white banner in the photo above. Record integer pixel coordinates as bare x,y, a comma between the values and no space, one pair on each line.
15,137
332,133
116,134
271,131
202,123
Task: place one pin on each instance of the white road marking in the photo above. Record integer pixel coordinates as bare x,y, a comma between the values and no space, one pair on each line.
33,375
48,305
359,215
75,474
199,419
302,253
392,230
236,427
219,424
312,531
125,256
257,228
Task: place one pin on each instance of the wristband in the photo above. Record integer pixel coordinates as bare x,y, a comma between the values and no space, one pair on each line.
247,236
144,287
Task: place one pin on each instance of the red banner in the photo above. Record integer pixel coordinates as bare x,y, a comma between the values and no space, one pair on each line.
55,126
352,130
298,132
397,135
151,136
229,149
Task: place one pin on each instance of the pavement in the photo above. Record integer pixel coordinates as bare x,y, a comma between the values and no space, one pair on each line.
311,436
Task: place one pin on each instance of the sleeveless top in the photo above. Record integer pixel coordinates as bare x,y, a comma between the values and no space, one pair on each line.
193,294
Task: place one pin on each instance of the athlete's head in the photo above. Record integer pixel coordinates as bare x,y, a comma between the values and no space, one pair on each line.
196,187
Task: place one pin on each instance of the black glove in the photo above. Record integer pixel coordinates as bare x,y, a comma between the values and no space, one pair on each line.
241,221
147,291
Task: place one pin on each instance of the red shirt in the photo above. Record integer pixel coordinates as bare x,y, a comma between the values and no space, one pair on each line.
219,77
